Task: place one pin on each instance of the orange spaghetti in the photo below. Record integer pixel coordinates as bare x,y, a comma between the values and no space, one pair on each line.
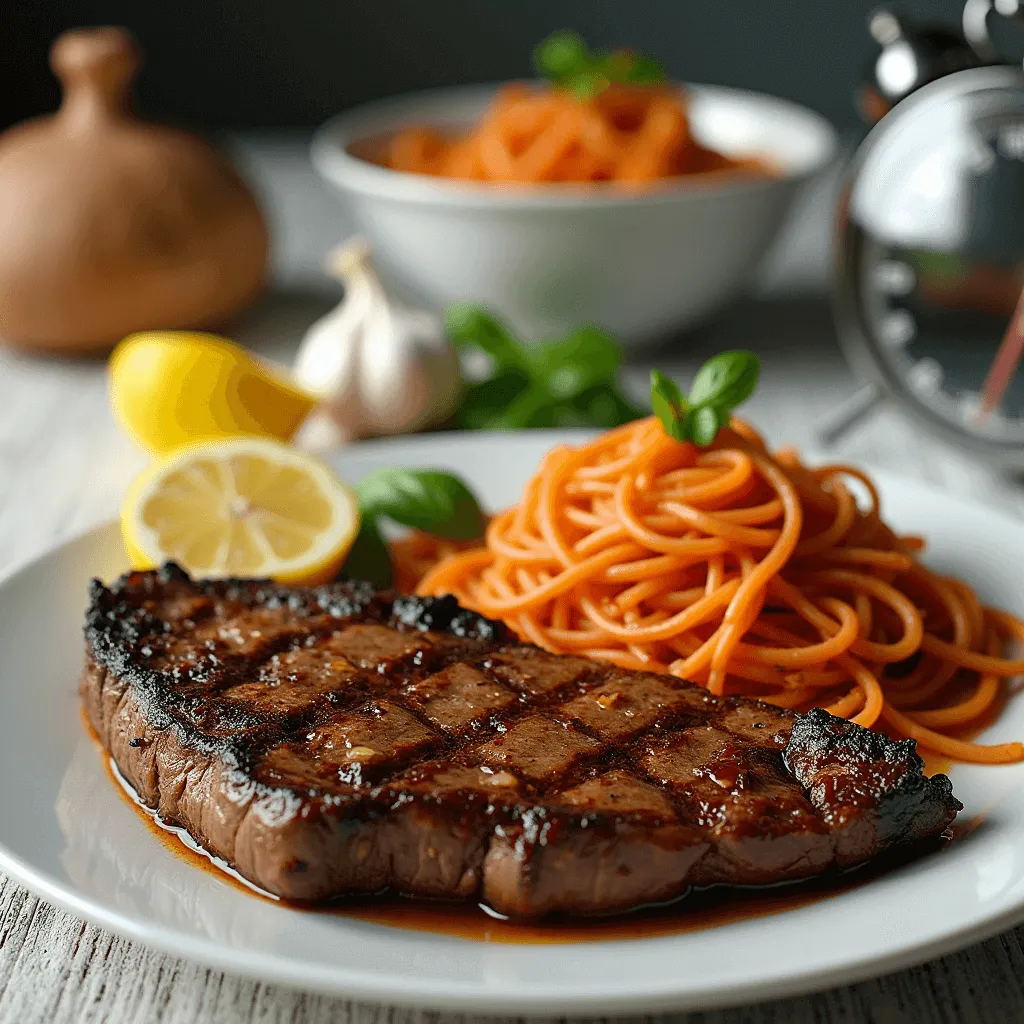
626,133
414,554
748,573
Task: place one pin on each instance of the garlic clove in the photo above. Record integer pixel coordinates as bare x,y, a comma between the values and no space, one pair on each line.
377,366
412,389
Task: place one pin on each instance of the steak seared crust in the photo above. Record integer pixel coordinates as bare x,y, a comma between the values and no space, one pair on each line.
337,740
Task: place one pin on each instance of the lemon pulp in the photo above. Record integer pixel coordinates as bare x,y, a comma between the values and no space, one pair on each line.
241,507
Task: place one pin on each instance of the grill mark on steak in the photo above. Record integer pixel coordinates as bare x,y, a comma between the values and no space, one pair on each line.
338,740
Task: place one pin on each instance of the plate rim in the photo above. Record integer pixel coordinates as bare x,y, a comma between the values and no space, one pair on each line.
449,996
460,995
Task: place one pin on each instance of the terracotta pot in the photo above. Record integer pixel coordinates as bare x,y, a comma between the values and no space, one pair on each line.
110,225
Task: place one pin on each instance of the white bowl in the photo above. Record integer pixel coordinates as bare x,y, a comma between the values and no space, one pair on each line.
548,257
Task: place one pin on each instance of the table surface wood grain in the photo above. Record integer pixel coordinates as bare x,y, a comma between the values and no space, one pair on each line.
64,465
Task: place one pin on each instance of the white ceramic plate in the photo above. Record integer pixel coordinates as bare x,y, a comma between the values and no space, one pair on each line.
69,836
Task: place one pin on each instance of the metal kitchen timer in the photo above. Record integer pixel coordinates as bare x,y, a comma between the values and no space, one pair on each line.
930,255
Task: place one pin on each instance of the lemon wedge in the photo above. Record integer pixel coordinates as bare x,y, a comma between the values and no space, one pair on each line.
241,507
174,388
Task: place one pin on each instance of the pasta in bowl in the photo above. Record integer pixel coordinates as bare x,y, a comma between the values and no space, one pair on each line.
546,254
628,135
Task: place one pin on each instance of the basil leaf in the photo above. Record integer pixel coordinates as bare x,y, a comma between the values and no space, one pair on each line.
670,406
722,383
423,499
705,424
572,365
588,83
561,56
369,558
538,385
469,326
532,408
566,60
727,379
634,68
601,406
484,402
644,71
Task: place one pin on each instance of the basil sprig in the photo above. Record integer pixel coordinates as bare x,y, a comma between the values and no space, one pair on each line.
565,60
724,382
565,382
422,499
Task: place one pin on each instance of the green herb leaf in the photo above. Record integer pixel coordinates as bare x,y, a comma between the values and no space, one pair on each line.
722,383
705,423
627,66
424,499
542,384
727,379
561,56
531,408
572,365
601,406
670,406
588,83
368,558
469,326
644,71
565,60
484,402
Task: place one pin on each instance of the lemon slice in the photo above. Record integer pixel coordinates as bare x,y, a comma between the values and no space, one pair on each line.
174,388
243,506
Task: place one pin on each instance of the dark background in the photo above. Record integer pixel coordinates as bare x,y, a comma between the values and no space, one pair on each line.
269,63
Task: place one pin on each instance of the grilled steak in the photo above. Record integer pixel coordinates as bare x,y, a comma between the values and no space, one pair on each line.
337,740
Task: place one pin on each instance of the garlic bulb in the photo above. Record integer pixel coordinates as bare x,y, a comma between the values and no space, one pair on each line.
377,366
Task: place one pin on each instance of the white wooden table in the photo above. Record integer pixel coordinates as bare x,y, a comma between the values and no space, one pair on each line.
63,467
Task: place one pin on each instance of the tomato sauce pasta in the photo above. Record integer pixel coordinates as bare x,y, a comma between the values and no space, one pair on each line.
626,133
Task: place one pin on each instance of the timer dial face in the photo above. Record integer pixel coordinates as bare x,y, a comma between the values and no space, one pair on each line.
939,323
932,260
